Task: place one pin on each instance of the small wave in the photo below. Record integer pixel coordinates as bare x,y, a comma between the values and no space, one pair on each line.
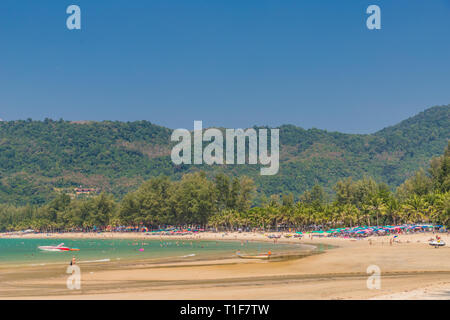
189,255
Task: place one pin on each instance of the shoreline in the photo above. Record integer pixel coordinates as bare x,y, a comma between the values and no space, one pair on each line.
281,254
407,267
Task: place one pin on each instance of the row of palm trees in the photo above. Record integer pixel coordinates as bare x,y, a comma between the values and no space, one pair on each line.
431,208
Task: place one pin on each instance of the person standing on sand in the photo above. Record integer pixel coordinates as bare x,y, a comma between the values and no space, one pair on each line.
73,261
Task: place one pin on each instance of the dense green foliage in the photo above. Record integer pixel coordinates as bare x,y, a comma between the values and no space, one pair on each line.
116,157
159,201
225,203
37,156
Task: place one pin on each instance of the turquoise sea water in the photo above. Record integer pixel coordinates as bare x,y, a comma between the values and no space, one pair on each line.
26,252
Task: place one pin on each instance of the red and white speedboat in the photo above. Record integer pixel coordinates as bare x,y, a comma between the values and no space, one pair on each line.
60,247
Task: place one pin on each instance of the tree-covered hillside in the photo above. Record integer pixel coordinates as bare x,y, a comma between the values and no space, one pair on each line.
38,156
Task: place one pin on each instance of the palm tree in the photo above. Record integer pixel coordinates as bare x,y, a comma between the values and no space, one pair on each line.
393,209
377,205
365,213
414,208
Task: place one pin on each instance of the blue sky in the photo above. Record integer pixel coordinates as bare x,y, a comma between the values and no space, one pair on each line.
230,63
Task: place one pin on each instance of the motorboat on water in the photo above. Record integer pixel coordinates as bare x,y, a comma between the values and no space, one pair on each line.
59,248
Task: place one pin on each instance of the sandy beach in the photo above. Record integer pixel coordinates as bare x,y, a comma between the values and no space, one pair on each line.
410,269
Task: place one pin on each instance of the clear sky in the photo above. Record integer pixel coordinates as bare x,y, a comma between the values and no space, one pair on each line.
231,63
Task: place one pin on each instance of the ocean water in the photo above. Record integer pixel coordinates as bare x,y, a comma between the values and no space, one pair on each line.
26,252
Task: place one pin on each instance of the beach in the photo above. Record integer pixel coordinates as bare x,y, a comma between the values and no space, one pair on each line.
335,269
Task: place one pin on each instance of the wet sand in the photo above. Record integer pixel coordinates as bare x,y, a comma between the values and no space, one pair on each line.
410,269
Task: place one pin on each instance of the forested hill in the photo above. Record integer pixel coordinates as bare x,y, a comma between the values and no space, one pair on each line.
38,158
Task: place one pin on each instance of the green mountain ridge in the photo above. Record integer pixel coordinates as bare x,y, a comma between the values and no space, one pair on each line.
38,156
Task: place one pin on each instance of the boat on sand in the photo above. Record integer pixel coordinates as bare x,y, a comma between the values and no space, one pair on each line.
437,243
259,256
